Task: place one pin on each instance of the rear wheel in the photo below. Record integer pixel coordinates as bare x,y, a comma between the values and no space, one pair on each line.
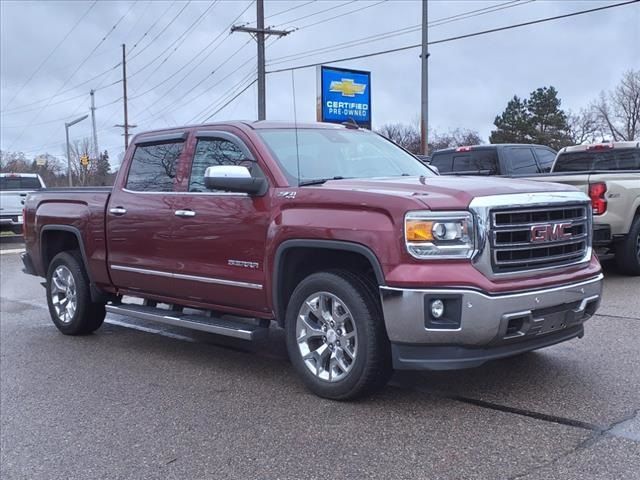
336,337
628,251
69,296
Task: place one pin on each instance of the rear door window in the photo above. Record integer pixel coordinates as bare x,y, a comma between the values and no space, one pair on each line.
545,159
442,161
521,161
153,167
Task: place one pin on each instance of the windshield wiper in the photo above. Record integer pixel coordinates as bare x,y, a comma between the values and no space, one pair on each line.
318,181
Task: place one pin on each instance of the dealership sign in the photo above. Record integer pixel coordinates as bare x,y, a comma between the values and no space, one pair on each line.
344,96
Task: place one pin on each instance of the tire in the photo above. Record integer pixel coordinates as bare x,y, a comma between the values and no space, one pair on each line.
355,347
628,250
17,230
68,284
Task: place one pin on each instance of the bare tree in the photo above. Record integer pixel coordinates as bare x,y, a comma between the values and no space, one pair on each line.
618,111
408,136
584,126
403,134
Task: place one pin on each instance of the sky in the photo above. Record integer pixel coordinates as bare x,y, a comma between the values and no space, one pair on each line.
183,64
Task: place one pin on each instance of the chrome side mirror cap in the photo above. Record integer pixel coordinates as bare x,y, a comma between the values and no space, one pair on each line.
234,178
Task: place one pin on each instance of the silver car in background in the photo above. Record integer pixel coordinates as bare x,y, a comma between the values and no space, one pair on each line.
14,188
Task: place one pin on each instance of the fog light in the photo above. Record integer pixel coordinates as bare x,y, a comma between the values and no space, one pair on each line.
437,308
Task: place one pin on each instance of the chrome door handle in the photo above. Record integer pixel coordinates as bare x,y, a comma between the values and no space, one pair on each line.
118,211
185,213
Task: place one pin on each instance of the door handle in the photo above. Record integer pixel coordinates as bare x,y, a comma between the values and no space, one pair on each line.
185,213
119,211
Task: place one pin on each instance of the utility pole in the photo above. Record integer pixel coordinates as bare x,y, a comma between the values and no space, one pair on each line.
124,96
125,125
96,150
260,34
424,111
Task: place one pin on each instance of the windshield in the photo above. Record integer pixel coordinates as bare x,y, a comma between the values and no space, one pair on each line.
329,153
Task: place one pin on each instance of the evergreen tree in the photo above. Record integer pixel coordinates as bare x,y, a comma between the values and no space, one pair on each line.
536,120
102,169
514,125
548,120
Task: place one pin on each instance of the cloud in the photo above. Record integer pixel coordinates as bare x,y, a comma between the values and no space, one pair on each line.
470,80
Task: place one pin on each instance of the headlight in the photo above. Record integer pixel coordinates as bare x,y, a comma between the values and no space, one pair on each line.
439,234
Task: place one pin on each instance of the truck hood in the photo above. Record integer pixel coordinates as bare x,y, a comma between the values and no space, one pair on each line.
444,192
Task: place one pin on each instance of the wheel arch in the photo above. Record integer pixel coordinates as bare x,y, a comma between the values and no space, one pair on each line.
289,253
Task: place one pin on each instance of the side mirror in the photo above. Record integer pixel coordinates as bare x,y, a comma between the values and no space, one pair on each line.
234,178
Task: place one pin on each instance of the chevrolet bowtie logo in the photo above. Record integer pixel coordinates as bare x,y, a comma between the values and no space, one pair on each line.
347,87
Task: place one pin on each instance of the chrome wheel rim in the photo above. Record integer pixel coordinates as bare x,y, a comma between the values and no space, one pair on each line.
326,336
63,294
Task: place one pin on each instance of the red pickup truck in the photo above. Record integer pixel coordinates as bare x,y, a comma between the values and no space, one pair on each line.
368,259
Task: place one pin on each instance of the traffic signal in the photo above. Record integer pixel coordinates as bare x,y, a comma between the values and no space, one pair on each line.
84,160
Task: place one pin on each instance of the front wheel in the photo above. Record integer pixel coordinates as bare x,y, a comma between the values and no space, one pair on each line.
628,251
335,336
69,296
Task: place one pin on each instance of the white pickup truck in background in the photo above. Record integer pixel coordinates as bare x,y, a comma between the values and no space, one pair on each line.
610,174
14,188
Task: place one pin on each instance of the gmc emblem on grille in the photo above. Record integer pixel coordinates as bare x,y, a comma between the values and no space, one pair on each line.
550,232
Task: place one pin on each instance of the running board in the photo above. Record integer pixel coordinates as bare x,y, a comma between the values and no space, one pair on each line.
229,328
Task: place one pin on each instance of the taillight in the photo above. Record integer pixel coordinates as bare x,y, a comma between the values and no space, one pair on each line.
600,146
596,194
463,149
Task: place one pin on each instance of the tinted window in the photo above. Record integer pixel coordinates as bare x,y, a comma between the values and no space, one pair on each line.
19,183
442,161
153,167
210,153
522,161
478,161
615,159
545,159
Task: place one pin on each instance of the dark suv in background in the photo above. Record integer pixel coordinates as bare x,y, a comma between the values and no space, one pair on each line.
501,159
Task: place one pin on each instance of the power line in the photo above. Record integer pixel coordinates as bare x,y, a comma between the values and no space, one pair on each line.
398,32
289,9
35,72
319,12
355,10
179,82
458,37
231,100
179,100
161,31
74,72
178,43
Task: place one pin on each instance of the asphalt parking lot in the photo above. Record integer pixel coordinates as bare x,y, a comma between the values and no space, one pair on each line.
137,401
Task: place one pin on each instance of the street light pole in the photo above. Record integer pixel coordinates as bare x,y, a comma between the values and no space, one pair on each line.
66,129
424,90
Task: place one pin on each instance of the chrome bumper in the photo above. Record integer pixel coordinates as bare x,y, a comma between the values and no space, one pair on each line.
489,320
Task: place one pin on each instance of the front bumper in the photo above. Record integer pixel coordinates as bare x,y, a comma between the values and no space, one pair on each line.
479,326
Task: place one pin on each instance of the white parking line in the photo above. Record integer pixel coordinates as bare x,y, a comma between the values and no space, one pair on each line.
11,250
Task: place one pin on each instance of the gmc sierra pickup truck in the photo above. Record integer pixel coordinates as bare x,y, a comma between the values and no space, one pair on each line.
367,258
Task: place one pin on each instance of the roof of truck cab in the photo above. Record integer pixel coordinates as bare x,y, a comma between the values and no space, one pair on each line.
605,145
488,146
244,125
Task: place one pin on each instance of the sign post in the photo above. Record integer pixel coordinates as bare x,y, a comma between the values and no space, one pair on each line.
344,95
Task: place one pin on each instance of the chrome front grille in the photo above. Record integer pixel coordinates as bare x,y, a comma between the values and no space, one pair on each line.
538,237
